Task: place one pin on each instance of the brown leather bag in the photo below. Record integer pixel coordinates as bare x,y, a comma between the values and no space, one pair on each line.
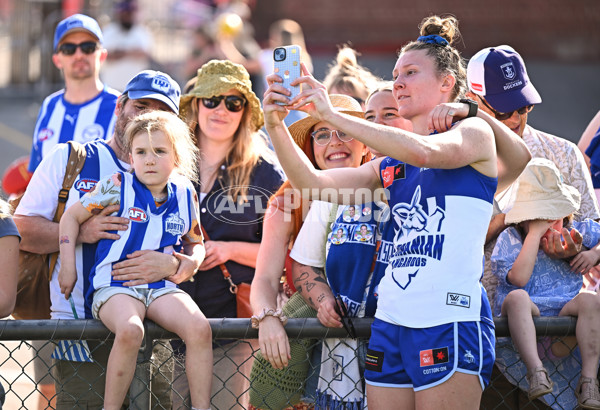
241,291
35,270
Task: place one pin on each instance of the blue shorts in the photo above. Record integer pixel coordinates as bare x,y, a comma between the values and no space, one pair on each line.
407,357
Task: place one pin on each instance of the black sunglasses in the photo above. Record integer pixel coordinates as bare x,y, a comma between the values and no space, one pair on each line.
232,102
87,47
340,309
501,116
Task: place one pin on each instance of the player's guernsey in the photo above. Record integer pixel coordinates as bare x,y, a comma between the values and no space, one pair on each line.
151,227
433,245
60,121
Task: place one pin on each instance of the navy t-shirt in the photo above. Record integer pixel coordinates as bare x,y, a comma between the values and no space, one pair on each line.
225,220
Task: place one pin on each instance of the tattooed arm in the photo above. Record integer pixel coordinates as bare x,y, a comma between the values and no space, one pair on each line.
310,281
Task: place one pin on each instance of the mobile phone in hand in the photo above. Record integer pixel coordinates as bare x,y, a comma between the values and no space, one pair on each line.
286,64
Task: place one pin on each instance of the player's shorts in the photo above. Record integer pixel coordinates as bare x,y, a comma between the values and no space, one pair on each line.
414,358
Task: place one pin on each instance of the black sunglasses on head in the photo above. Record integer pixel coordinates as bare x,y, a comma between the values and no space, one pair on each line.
87,47
340,309
232,102
501,116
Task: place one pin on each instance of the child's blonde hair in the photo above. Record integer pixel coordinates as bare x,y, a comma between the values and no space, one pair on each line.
178,134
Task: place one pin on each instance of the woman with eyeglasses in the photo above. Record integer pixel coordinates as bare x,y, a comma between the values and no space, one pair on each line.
238,174
432,342
327,148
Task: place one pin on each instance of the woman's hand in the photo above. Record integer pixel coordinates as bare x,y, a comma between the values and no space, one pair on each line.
142,267
217,252
561,245
273,342
314,99
327,314
440,119
275,113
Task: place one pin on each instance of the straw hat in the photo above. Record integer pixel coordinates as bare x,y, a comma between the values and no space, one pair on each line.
300,130
541,194
217,77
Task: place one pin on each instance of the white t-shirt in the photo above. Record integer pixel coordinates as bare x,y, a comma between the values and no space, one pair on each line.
117,73
310,244
41,199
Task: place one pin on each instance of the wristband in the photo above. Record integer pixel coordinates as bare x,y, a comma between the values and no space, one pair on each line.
473,106
256,319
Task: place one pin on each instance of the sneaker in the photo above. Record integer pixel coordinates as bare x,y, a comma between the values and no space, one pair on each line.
539,383
587,393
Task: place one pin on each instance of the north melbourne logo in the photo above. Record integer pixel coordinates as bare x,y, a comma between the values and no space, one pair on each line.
161,83
174,224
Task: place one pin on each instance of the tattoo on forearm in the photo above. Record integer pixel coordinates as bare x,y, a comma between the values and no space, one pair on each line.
318,271
63,239
321,297
321,279
309,286
303,276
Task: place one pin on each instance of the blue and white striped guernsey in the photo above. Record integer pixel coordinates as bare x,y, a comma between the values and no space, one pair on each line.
151,228
60,121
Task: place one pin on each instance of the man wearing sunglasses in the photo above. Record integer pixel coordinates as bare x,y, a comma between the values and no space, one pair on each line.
84,109
499,83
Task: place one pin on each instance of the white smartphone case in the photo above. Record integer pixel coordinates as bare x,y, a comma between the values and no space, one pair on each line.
289,68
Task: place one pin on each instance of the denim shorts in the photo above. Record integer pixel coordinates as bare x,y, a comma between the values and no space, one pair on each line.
144,295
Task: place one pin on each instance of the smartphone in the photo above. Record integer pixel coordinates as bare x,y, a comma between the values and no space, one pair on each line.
286,63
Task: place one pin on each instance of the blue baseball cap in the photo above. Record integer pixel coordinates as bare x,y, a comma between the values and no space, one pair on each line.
156,85
498,74
77,22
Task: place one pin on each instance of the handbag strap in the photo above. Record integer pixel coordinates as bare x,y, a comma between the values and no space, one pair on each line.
226,275
75,163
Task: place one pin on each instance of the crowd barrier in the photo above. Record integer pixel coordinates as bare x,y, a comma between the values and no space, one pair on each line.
15,337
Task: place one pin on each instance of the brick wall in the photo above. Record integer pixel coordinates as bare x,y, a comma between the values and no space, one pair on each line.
558,30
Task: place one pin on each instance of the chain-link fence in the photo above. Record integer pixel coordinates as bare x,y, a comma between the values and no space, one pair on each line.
152,387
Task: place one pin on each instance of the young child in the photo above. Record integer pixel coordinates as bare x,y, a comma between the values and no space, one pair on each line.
162,207
532,284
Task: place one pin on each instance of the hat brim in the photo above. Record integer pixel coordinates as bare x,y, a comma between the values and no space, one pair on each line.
212,88
136,95
513,100
300,130
551,208
76,30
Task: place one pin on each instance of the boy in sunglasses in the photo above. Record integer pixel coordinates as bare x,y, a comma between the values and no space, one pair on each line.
84,109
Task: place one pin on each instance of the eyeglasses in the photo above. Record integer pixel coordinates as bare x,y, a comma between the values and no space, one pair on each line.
232,102
87,47
323,136
501,116
340,309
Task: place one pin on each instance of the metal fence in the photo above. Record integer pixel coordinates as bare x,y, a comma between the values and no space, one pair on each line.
152,384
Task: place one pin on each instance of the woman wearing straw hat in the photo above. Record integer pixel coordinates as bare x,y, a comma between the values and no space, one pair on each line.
238,174
532,284
441,189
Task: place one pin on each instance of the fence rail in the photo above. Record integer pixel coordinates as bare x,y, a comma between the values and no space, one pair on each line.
503,395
